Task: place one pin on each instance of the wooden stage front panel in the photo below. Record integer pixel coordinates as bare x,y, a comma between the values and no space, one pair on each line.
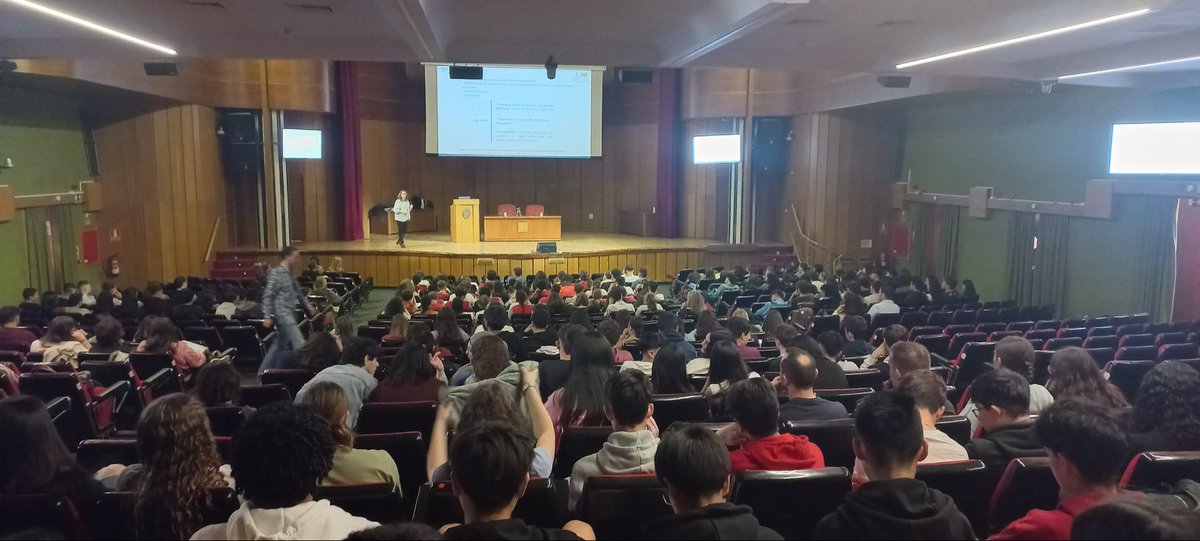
518,228
433,253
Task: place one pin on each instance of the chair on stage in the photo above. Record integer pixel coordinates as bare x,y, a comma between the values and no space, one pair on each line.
535,210
507,209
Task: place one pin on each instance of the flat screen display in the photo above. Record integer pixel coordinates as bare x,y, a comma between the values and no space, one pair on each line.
717,149
302,144
1165,148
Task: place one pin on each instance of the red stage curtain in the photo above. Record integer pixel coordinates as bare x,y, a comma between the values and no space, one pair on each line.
667,183
351,140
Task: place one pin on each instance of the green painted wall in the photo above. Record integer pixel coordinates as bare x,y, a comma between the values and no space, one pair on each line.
43,134
1042,147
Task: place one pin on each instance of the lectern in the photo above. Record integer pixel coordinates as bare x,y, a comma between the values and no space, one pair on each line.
464,220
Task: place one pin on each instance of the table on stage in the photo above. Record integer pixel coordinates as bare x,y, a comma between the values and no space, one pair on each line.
522,228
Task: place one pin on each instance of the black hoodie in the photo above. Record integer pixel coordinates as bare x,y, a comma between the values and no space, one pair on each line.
720,521
895,509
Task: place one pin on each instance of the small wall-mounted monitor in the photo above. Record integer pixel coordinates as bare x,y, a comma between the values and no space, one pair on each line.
302,144
717,149
1164,148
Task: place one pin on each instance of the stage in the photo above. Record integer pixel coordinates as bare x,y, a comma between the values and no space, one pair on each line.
433,253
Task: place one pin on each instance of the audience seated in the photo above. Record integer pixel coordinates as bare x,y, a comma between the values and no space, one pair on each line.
669,372
1006,431
398,331
892,504
797,374
492,463
857,333
495,320
618,338
1074,374
650,343
12,336
320,351
1087,452
829,374
892,335
694,467
278,458
356,376
350,466
185,307
669,325
162,337
413,376
554,372
580,402
741,328
1135,518
539,330
108,336
885,304
630,448
725,367
755,409
220,385
1015,354
1166,414
35,460
62,343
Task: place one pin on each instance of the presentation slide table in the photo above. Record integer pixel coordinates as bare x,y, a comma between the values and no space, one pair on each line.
522,228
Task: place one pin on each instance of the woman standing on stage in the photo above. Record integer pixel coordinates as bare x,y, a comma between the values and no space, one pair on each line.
403,211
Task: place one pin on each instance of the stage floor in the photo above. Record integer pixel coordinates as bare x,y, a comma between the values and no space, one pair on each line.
574,243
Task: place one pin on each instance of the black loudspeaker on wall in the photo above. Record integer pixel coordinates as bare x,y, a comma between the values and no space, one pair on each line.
768,148
240,134
635,75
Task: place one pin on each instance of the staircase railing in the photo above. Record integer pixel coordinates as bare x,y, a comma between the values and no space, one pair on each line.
810,251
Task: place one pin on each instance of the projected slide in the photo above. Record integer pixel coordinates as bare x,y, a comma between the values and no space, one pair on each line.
1168,148
515,112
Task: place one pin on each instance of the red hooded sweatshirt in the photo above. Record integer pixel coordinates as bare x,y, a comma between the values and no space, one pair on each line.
776,453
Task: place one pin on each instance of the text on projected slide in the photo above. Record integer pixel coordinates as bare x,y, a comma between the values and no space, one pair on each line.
514,112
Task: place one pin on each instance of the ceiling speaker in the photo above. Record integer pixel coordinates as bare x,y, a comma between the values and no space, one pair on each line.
628,75
160,69
894,81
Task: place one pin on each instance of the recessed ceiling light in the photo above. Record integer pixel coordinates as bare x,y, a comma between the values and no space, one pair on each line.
1023,39
92,26
1126,68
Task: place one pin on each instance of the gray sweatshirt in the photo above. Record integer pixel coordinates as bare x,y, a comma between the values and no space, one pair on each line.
354,380
624,453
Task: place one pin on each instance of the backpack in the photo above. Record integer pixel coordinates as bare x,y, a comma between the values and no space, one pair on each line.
61,354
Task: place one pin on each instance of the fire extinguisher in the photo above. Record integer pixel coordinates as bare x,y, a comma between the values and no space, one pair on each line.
113,268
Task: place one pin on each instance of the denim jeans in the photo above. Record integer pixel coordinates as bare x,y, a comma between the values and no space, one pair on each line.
287,338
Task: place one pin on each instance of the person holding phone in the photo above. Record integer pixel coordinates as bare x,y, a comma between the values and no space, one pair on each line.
402,210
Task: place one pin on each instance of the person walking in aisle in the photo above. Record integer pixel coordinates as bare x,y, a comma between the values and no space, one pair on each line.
402,209
279,301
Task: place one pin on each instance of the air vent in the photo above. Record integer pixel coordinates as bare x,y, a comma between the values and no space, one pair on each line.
315,9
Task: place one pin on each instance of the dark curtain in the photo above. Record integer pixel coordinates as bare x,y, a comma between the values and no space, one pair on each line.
916,250
1156,289
667,179
350,137
1038,259
948,248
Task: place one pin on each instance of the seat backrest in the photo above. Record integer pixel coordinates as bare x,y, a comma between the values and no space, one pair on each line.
958,328
535,210
1047,324
1041,334
1072,332
208,336
960,341
292,378
506,209
1026,484
244,337
989,328
542,505
846,397
941,318
1137,353
380,502
1127,375
1131,328
1131,340
965,316
962,481
148,364
1101,355
821,324
49,386
1102,330
374,333
958,427
1000,335
1022,326
1167,352
914,319
96,454
576,443
791,502
257,396
883,320
1055,344
616,506
1101,342
407,449
385,417
870,378
42,512
988,315
676,408
832,437
225,420
937,344
922,330
1158,470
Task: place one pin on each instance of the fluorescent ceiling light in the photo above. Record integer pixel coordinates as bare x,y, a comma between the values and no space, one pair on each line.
1139,66
92,26
1023,39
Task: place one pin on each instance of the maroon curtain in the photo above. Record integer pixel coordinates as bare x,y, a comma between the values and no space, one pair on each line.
351,139
667,182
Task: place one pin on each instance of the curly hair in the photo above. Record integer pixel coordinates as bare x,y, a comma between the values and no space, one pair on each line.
280,454
181,468
1168,400
1073,373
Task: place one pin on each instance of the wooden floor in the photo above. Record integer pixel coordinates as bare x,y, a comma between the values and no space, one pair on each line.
571,244
381,257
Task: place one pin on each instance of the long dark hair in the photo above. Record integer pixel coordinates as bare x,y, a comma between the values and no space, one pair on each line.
668,373
59,330
446,326
160,335
319,352
725,363
580,316
1073,373
1168,401
411,365
583,393
181,466
706,322
30,449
